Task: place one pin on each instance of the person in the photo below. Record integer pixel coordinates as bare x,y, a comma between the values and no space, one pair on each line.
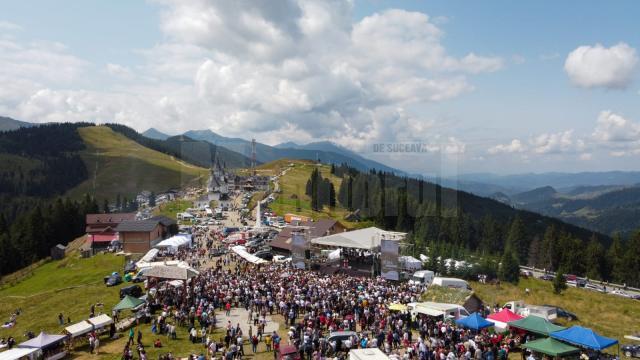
91,341
96,344
61,319
267,342
227,308
131,334
254,344
157,343
240,343
139,337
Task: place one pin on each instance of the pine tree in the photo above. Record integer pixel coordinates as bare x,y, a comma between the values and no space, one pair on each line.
517,238
118,202
105,207
509,266
152,199
631,260
593,258
615,263
560,282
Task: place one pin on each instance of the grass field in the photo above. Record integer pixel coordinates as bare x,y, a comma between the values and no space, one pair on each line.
293,199
608,315
118,165
172,208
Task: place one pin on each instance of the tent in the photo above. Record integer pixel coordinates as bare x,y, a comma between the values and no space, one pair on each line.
398,307
502,317
18,353
41,341
410,263
474,322
148,257
367,239
79,329
175,242
171,272
242,252
550,347
583,337
536,324
129,302
100,321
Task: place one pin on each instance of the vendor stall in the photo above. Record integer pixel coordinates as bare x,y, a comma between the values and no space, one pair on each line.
536,325
584,337
551,347
502,318
78,329
474,322
19,354
101,322
52,346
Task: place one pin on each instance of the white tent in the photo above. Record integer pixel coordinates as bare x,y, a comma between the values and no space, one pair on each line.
410,263
79,329
175,242
18,353
148,257
368,238
100,321
147,265
242,252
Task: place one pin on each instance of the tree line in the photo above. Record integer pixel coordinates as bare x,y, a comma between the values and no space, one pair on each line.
481,228
33,233
321,191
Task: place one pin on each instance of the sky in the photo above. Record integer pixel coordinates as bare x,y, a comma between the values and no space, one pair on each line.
431,87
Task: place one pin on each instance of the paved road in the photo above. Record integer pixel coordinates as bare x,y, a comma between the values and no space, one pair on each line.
241,316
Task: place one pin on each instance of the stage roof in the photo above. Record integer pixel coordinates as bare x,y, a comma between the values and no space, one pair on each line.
368,238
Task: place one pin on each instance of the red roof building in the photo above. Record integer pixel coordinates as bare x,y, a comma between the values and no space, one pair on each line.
105,224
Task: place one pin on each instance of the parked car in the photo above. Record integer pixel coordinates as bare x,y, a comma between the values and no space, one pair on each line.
139,276
219,252
347,339
288,352
131,290
113,279
625,294
563,313
547,277
255,243
281,259
631,350
264,254
595,287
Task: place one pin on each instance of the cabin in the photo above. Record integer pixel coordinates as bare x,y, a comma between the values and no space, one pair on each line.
101,228
139,236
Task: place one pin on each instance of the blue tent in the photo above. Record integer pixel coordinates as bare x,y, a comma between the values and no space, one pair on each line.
577,335
474,322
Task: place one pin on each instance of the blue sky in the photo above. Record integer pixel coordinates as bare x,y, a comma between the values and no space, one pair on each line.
500,86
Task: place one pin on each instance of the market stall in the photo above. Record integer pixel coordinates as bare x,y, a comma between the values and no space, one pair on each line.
551,347
52,346
502,318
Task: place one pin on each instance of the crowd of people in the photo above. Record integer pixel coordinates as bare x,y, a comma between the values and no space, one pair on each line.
312,306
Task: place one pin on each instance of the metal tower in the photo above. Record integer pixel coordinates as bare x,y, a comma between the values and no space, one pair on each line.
253,156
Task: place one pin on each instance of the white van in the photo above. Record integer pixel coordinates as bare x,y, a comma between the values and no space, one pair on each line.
451,283
424,277
522,309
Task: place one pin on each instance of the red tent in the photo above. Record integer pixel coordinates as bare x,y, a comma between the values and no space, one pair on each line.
504,316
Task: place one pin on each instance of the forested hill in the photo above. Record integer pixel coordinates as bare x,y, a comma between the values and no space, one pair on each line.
455,222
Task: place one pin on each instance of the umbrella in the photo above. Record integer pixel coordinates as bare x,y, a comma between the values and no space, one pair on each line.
398,307
129,302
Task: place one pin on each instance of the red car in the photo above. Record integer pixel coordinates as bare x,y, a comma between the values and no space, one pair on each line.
288,352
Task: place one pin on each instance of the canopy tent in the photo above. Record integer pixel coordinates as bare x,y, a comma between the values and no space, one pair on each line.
367,239
504,316
18,353
550,347
129,302
536,324
100,321
171,272
148,257
142,265
635,337
41,341
583,337
175,242
410,263
474,322
242,252
79,329
398,307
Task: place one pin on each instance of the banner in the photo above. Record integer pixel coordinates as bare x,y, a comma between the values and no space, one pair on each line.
298,247
390,250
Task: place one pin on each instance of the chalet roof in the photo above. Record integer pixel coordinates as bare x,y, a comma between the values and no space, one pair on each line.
320,227
166,221
138,226
113,218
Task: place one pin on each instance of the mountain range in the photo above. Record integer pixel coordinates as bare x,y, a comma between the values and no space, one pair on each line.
8,124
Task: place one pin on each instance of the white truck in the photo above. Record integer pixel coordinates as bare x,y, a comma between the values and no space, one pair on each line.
451,283
423,277
522,309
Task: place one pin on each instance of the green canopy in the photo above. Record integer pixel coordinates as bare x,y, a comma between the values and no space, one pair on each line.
129,302
536,324
551,347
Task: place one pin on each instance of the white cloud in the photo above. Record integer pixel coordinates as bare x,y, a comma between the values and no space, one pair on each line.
612,127
119,70
515,146
552,143
597,66
586,156
9,26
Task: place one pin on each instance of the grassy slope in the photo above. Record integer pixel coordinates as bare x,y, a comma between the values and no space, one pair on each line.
118,165
294,183
69,286
172,208
607,314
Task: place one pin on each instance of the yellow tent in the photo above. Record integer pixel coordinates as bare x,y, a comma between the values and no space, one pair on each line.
398,307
